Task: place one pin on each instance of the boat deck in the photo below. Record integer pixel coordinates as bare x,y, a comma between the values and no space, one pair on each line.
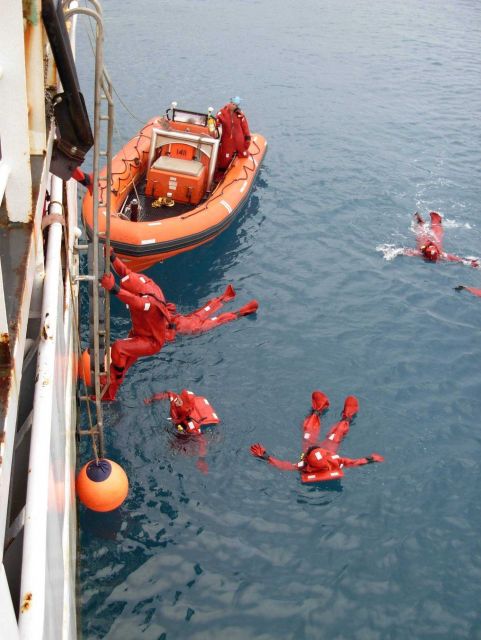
150,213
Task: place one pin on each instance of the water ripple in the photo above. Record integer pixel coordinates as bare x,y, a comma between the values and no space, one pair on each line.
372,111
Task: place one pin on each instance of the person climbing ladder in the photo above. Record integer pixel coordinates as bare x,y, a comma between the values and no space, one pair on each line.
156,321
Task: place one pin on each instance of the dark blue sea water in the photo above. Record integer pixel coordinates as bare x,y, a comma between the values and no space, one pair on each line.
372,110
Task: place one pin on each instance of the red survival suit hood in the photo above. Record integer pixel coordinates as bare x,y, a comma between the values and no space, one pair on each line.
181,405
430,251
316,459
320,465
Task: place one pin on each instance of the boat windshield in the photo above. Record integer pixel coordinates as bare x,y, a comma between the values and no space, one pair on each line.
189,117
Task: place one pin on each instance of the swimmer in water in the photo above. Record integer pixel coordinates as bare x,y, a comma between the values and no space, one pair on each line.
319,459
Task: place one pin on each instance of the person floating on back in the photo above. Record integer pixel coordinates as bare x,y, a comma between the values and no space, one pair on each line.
319,459
155,321
430,242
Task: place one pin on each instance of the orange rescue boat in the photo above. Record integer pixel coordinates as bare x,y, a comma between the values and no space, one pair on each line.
166,194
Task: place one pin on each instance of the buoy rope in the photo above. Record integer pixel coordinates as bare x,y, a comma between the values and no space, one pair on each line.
90,37
77,340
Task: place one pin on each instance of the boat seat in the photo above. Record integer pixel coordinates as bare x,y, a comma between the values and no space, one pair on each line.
185,179
177,165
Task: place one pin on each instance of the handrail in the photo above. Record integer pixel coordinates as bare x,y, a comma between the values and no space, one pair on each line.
41,528
31,619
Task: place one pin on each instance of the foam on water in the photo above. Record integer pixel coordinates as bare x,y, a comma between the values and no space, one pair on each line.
389,251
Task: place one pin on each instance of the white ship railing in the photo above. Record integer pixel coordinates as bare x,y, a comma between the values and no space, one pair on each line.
39,533
50,487
46,523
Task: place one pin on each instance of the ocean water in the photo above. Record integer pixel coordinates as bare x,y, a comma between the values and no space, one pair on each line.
372,111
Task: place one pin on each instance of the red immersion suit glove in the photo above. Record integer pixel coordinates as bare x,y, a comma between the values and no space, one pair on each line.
258,451
374,457
108,282
112,254
319,401
84,178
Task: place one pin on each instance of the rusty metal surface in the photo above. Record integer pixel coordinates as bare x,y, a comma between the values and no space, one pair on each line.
15,239
14,247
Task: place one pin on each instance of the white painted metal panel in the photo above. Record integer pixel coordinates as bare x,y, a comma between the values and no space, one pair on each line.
4,173
14,132
7,614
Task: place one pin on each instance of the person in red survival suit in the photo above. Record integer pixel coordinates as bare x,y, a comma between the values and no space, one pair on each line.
149,314
189,413
473,290
204,319
154,321
430,242
320,460
235,137
181,408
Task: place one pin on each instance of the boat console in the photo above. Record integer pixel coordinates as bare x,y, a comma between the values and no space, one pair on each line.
182,159
184,179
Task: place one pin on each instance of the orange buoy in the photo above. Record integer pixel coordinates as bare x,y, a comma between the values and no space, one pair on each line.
83,368
102,485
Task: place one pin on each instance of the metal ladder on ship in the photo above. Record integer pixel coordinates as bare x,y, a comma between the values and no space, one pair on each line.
99,301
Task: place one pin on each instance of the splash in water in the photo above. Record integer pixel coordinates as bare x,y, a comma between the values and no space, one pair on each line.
390,251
